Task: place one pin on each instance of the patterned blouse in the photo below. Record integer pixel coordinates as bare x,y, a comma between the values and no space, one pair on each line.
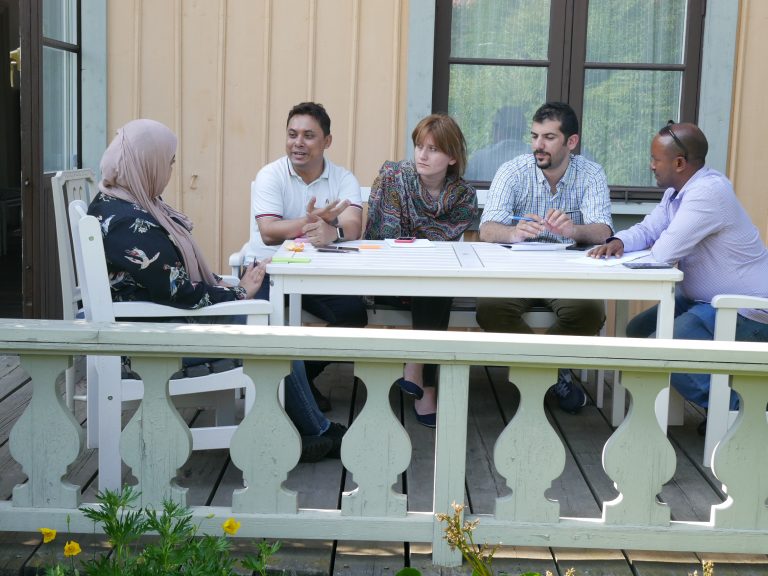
143,262
399,206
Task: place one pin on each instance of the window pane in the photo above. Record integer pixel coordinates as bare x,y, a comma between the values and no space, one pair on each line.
60,20
494,106
59,110
508,29
623,109
637,31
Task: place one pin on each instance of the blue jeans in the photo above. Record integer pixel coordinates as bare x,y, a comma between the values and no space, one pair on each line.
695,321
300,405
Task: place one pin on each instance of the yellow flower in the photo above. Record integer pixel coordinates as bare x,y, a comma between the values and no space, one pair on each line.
71,548
48,534
231,526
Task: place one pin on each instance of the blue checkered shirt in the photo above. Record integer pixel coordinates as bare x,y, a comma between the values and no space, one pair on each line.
520,187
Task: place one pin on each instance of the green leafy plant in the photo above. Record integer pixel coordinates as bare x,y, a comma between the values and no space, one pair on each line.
177,549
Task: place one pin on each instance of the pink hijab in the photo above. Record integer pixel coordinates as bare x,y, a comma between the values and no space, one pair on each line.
136,167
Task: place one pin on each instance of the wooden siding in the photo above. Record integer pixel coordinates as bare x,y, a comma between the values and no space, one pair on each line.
749,123
223,75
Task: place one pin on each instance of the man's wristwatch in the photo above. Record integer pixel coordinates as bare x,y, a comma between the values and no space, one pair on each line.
339,234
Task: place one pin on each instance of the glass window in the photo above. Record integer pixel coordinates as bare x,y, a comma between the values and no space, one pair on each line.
623,109
625,66
496,123
60,20
59,110
509,29
639,32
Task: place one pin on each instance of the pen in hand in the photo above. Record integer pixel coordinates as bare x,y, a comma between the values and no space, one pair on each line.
522,219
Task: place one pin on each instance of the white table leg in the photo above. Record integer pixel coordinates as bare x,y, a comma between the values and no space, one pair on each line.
294,309
277,299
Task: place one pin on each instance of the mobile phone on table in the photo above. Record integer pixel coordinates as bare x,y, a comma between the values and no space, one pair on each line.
647,265
405,239
579,247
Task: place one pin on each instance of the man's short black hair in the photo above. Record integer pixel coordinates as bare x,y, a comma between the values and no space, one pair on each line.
317,111
569,124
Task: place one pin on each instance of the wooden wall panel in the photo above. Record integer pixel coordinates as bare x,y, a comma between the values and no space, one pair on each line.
224,73
245,116
749,124
379,89
203,29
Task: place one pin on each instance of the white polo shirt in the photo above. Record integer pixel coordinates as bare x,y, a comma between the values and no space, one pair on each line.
279,192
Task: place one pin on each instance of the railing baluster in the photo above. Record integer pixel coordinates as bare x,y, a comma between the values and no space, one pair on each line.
528,453
156,441
638,457
46,439
266,445
376,448
745,506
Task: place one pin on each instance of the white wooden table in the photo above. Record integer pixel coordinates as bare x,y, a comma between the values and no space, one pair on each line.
475,269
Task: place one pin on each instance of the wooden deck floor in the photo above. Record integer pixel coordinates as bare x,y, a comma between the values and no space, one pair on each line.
210,478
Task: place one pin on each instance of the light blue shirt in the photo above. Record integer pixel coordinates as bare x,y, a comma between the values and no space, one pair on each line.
520,187
705,229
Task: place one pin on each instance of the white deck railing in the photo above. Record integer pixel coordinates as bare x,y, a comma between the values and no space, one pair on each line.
638,458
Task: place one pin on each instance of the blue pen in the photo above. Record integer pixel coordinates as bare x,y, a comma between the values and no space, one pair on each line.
523,219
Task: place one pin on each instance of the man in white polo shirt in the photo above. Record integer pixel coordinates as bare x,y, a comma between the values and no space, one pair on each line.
303,194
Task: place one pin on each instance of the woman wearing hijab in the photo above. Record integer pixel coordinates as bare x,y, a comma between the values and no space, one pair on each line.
425,198
151,256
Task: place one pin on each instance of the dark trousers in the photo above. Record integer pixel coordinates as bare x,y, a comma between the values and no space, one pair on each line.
573,317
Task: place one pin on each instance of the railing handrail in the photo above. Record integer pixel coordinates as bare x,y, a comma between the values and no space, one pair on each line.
338,344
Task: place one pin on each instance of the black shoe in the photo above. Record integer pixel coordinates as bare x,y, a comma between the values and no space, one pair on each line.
315,448
322,402
429,419
702,428
570,396
410,388
335,433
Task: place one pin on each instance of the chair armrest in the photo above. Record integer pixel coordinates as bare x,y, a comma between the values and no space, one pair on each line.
726,306
737,301
152,310
236,260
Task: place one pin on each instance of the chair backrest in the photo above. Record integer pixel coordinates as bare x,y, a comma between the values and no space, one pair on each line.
68,186
91,263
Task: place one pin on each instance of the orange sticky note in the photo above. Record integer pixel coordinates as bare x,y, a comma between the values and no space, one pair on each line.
369,246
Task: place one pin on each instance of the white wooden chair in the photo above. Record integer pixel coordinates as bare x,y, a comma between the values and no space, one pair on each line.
719,415
66,187
106,391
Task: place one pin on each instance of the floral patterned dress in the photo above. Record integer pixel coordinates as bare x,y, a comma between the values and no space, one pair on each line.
144,263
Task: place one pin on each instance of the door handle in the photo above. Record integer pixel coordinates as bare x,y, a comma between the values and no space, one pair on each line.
15,64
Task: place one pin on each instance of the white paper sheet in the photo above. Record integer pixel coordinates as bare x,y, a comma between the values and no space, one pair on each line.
612,261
